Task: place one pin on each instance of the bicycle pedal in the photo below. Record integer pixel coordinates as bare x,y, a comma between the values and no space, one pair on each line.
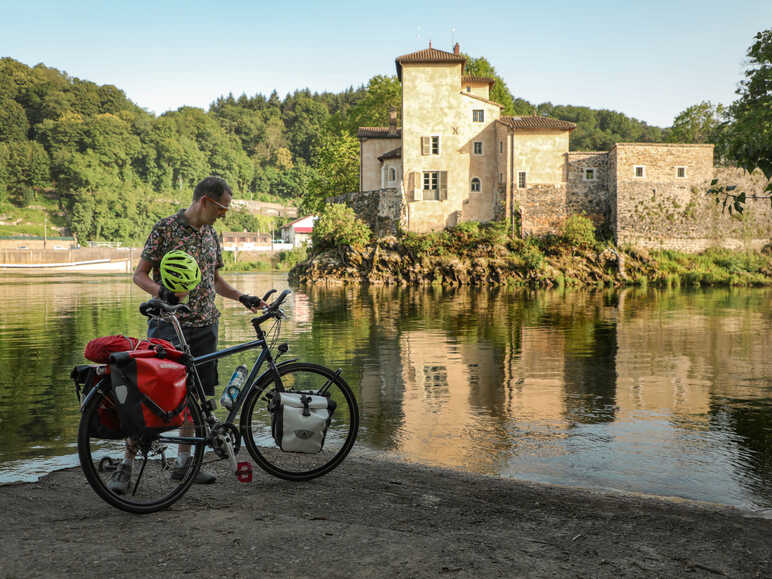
244,472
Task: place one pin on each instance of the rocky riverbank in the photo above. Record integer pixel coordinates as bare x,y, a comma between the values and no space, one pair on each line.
375,518
538,263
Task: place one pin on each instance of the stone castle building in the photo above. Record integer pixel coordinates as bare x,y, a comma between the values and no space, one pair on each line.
456,158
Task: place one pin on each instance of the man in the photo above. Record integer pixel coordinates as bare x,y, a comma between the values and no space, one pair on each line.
189,230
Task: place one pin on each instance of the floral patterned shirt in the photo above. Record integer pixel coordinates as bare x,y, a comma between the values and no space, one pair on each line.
175,232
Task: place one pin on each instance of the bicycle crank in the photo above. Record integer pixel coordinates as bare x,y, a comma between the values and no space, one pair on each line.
226,441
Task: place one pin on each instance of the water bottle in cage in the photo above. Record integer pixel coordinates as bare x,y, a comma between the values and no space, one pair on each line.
231,392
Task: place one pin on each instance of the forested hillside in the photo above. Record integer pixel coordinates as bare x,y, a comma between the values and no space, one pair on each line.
106,169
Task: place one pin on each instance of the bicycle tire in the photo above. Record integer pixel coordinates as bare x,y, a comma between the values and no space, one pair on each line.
255,423
152,486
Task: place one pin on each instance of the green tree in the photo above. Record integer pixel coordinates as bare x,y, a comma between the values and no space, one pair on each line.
747,137
304,120
26,167
14,125
372,110
500,92
338,225
697,124
337,164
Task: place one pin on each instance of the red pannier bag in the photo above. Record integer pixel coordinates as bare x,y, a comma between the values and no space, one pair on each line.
99,349
150,389
105,423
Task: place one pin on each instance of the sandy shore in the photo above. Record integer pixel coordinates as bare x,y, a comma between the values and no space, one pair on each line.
373,518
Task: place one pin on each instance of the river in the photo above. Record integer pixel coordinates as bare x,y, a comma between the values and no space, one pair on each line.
662,392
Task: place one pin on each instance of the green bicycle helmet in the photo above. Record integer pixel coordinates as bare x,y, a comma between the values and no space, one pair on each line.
179,271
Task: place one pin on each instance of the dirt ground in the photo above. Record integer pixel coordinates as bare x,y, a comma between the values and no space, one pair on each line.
373,518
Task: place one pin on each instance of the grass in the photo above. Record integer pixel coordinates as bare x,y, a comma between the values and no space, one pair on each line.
40,217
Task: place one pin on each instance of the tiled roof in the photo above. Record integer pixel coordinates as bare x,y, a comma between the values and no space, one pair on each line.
428,55
479,98
393,154
378,133
489,80
537,122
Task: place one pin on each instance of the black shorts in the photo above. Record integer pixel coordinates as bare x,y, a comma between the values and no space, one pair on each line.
201,340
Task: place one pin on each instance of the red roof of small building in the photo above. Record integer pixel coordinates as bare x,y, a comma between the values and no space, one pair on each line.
303,229
472,78
393,154
537,122
379,133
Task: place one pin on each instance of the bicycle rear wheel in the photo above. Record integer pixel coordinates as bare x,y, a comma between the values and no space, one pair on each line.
341,433
156,480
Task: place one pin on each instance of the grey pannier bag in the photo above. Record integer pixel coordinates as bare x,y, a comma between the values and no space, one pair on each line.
299,420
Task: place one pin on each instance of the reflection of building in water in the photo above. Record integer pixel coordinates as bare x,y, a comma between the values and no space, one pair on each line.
447,414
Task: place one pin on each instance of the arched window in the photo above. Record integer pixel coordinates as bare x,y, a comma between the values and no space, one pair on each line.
475,185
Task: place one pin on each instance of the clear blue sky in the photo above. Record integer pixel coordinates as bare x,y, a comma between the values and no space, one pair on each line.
648,59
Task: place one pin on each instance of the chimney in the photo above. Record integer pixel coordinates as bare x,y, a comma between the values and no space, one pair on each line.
430,44
392,121
456,48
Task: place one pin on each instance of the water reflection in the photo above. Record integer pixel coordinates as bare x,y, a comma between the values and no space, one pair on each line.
661,392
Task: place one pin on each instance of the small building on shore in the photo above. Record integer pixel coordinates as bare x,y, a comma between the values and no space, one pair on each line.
456,158
298,232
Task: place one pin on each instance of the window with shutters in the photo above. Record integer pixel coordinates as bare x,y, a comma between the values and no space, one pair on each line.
430,145
639,171
681,172
589,174
435,185
478,116
476,188
521,179
431,185
477,148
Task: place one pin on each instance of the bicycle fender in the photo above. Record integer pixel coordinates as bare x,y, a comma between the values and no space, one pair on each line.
103,385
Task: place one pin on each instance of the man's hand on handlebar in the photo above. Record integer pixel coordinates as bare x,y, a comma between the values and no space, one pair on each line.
252,302
168,296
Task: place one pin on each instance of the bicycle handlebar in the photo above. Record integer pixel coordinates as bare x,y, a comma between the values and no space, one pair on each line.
155,306
272,310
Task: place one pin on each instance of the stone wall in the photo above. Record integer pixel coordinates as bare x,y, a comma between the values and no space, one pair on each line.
666,215
584,196
542,209
381,209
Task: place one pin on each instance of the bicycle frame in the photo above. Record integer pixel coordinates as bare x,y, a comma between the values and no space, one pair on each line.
252,379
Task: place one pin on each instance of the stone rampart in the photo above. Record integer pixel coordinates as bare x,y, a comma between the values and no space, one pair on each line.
381,209
587,188
663,214
542,209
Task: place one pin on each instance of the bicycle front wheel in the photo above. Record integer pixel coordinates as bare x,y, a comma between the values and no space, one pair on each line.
341,433
155,478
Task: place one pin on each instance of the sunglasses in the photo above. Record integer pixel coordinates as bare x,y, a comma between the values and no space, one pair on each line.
220,205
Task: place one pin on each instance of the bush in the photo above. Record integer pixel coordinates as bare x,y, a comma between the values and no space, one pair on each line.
578,230
532,257
338,225
289,259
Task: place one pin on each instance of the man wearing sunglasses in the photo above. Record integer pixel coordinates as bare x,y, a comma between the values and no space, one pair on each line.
191,231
